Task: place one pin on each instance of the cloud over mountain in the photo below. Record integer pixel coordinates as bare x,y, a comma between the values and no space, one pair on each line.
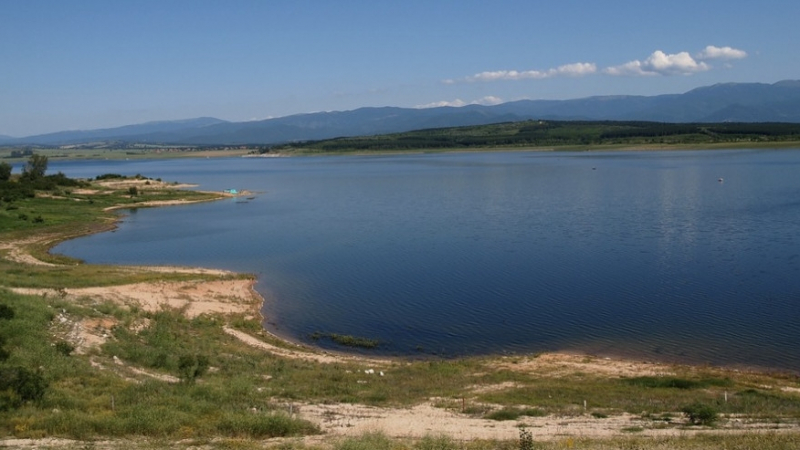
575,69
658,63
486,101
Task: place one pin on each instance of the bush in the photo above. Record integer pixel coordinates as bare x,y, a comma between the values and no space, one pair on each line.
4,354
5,171
511,413
6,312
677,383
192,367
700,414
64,348
19,385
525,439
108,176
504,414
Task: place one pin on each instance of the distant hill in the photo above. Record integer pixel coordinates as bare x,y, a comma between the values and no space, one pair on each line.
727,102
130,133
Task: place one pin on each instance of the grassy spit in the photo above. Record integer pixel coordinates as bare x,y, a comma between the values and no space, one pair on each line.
160,378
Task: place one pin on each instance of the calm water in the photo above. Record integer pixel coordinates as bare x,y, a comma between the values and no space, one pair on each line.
628,253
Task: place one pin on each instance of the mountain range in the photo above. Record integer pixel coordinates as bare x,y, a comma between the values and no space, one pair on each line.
726,102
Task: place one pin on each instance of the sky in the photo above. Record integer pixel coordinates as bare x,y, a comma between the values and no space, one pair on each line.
88,64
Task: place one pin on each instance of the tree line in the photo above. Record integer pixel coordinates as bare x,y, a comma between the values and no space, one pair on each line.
540,133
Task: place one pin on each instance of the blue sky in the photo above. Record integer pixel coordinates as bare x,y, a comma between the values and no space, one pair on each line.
84,64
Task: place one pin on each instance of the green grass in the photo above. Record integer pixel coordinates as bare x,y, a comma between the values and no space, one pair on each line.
82,401
347,340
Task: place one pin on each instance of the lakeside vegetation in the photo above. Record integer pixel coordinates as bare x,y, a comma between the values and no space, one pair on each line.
560,135
164,379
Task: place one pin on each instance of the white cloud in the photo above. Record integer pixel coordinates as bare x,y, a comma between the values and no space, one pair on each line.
488,100
574,70
660,63
457,103
712,52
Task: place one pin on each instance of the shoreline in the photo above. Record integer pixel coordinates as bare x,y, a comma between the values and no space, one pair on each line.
258,301
231,295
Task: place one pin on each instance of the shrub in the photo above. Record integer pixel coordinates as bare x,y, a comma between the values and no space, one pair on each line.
525,439
700,414
19,385
504,414
6,312
192,367
108,176
4,354
677,383
5,171
511,413
64,348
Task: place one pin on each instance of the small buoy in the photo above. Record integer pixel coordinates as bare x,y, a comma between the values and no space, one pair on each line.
720,180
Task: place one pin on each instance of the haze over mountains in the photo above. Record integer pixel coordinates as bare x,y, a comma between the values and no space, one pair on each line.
728,102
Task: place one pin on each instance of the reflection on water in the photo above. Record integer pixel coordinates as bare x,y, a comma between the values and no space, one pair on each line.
639,253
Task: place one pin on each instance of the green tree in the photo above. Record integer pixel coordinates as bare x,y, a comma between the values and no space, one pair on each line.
5,171
35,167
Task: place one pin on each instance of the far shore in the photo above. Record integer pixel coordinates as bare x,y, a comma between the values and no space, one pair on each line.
139,154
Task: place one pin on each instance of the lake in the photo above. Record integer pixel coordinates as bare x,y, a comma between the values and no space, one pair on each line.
688,256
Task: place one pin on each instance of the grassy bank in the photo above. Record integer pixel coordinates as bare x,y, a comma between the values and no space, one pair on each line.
162,377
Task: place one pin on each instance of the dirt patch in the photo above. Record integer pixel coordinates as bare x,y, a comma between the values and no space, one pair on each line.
193,297
16,249
561,364
91,333
141,183
427,420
